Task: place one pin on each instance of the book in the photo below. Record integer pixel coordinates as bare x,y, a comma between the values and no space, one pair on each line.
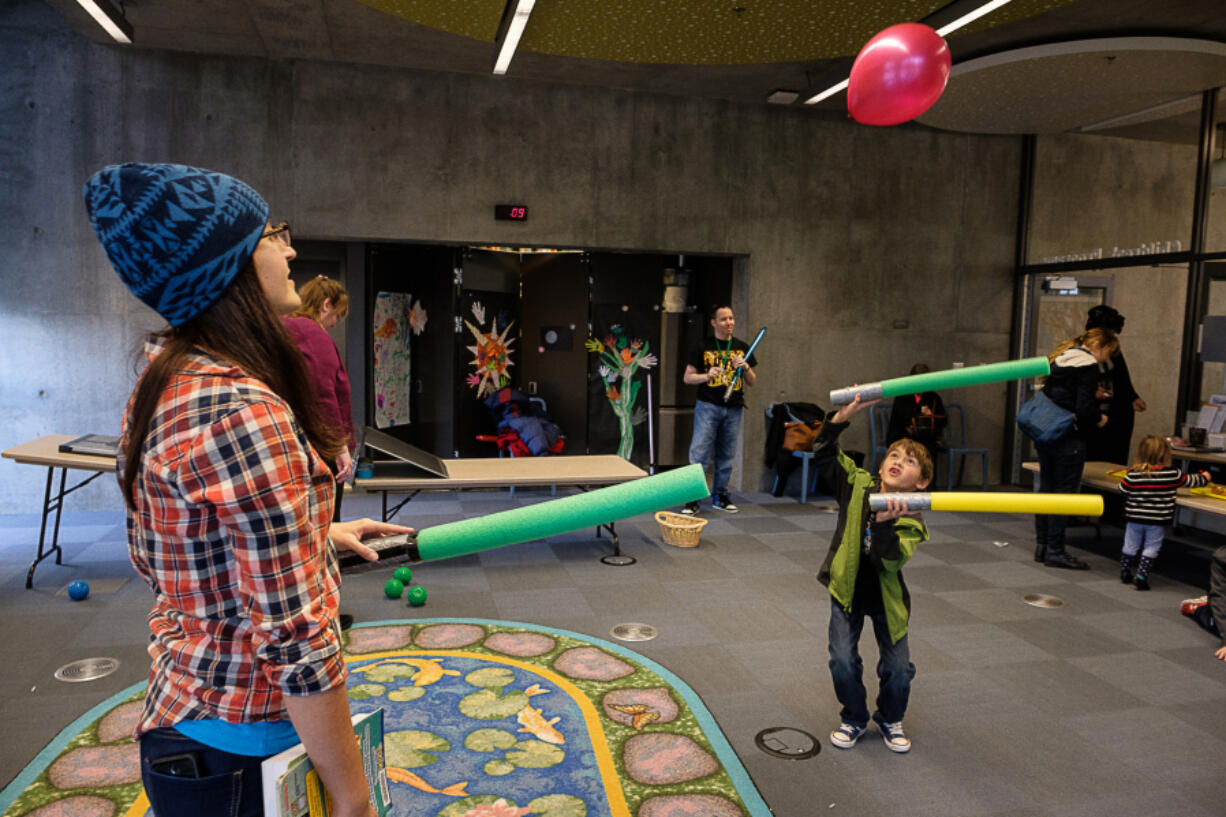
292,787
98,445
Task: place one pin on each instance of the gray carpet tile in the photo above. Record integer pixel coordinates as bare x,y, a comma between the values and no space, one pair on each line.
624,600
1145,630
727,543
765,563
763,524
1010,574
542,574
1153,743
1138,800
981,644
1153,679
806,667
787,542
712,668
1049,766
930,784
1066,636
1052,690
939,579
749,622
541,604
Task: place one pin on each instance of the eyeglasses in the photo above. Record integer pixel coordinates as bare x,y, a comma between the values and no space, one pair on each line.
281,231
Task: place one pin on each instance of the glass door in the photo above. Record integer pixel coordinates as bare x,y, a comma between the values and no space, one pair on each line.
1056,308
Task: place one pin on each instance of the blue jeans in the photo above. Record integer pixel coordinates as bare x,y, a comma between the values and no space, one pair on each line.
1060,467
227,785
716,429
1144,538
894,668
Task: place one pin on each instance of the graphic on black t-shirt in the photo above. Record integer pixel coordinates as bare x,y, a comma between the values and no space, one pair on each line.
719,353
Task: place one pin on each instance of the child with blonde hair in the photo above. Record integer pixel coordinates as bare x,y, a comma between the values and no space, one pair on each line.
1149,506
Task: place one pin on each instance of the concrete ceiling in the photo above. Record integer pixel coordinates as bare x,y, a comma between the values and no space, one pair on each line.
1125,67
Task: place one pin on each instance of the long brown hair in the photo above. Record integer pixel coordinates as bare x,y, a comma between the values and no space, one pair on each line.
242,329
1097,338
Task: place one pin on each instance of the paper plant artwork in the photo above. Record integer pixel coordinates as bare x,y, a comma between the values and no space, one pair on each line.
620,360
392,327
491,354
417,318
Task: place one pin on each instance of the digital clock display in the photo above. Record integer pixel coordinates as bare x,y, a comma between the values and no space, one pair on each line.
510,212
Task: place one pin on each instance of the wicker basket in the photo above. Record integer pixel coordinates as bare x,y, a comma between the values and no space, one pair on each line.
679,529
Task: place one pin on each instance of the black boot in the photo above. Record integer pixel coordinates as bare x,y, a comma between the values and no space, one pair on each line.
1040,553
1065,561
1126,562
1142,581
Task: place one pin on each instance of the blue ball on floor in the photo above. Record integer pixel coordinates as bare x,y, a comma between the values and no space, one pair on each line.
78,590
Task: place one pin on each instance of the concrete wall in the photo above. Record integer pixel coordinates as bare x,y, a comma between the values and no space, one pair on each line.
868,248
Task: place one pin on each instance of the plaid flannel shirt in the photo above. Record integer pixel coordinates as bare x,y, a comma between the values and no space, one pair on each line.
232,508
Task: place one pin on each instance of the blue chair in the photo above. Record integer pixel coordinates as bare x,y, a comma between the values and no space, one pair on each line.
957,446
878,429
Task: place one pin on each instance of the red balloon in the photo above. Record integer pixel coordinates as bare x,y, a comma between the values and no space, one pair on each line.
898,75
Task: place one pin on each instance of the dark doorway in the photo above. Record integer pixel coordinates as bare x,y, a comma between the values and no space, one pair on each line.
554,290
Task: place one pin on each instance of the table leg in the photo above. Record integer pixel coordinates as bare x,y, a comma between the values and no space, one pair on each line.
616,558
386,515
804,479
42,531
53,504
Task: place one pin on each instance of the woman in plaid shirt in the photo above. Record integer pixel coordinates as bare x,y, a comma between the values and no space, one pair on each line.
229,497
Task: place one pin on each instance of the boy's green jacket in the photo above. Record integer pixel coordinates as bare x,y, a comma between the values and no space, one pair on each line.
893,541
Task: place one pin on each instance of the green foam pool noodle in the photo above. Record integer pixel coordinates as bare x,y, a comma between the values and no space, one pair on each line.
945,379
585,510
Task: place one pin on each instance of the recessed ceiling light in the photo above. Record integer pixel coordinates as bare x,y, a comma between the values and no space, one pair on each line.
970,17
110,18
829,92
510,29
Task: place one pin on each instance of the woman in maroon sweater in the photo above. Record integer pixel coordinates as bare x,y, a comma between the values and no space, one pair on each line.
324,304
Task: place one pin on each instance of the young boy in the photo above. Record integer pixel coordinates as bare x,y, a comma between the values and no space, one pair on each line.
862,573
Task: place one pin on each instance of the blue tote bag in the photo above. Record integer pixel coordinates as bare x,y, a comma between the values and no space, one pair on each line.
1043,421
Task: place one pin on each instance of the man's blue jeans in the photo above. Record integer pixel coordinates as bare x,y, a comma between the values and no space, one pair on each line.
716,430
894,668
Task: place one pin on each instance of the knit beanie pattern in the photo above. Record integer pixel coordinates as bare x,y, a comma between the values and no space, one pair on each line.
177,235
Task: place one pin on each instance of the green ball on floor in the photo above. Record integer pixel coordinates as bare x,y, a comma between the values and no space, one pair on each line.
405,574
393,588
417,595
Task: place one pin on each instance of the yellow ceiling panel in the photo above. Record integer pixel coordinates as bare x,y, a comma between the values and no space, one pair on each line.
694,32
477,19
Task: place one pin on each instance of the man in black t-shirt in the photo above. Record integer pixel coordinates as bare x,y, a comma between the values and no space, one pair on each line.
717,423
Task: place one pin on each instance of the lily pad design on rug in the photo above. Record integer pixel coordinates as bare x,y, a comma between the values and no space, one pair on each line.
481,719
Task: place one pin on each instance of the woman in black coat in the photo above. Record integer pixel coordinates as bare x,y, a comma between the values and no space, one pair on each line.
1116,395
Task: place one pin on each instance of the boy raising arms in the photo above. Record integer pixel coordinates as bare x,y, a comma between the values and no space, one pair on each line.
862,572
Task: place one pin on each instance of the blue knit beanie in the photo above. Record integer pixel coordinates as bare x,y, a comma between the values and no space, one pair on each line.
177,235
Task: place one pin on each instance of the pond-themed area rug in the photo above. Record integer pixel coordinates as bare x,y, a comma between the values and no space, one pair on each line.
481,719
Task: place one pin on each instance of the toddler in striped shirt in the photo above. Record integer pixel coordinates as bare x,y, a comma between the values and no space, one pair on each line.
1149,506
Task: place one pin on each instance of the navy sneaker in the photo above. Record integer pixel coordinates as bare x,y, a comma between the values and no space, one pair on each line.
690,509
895,739
724,503
846,735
